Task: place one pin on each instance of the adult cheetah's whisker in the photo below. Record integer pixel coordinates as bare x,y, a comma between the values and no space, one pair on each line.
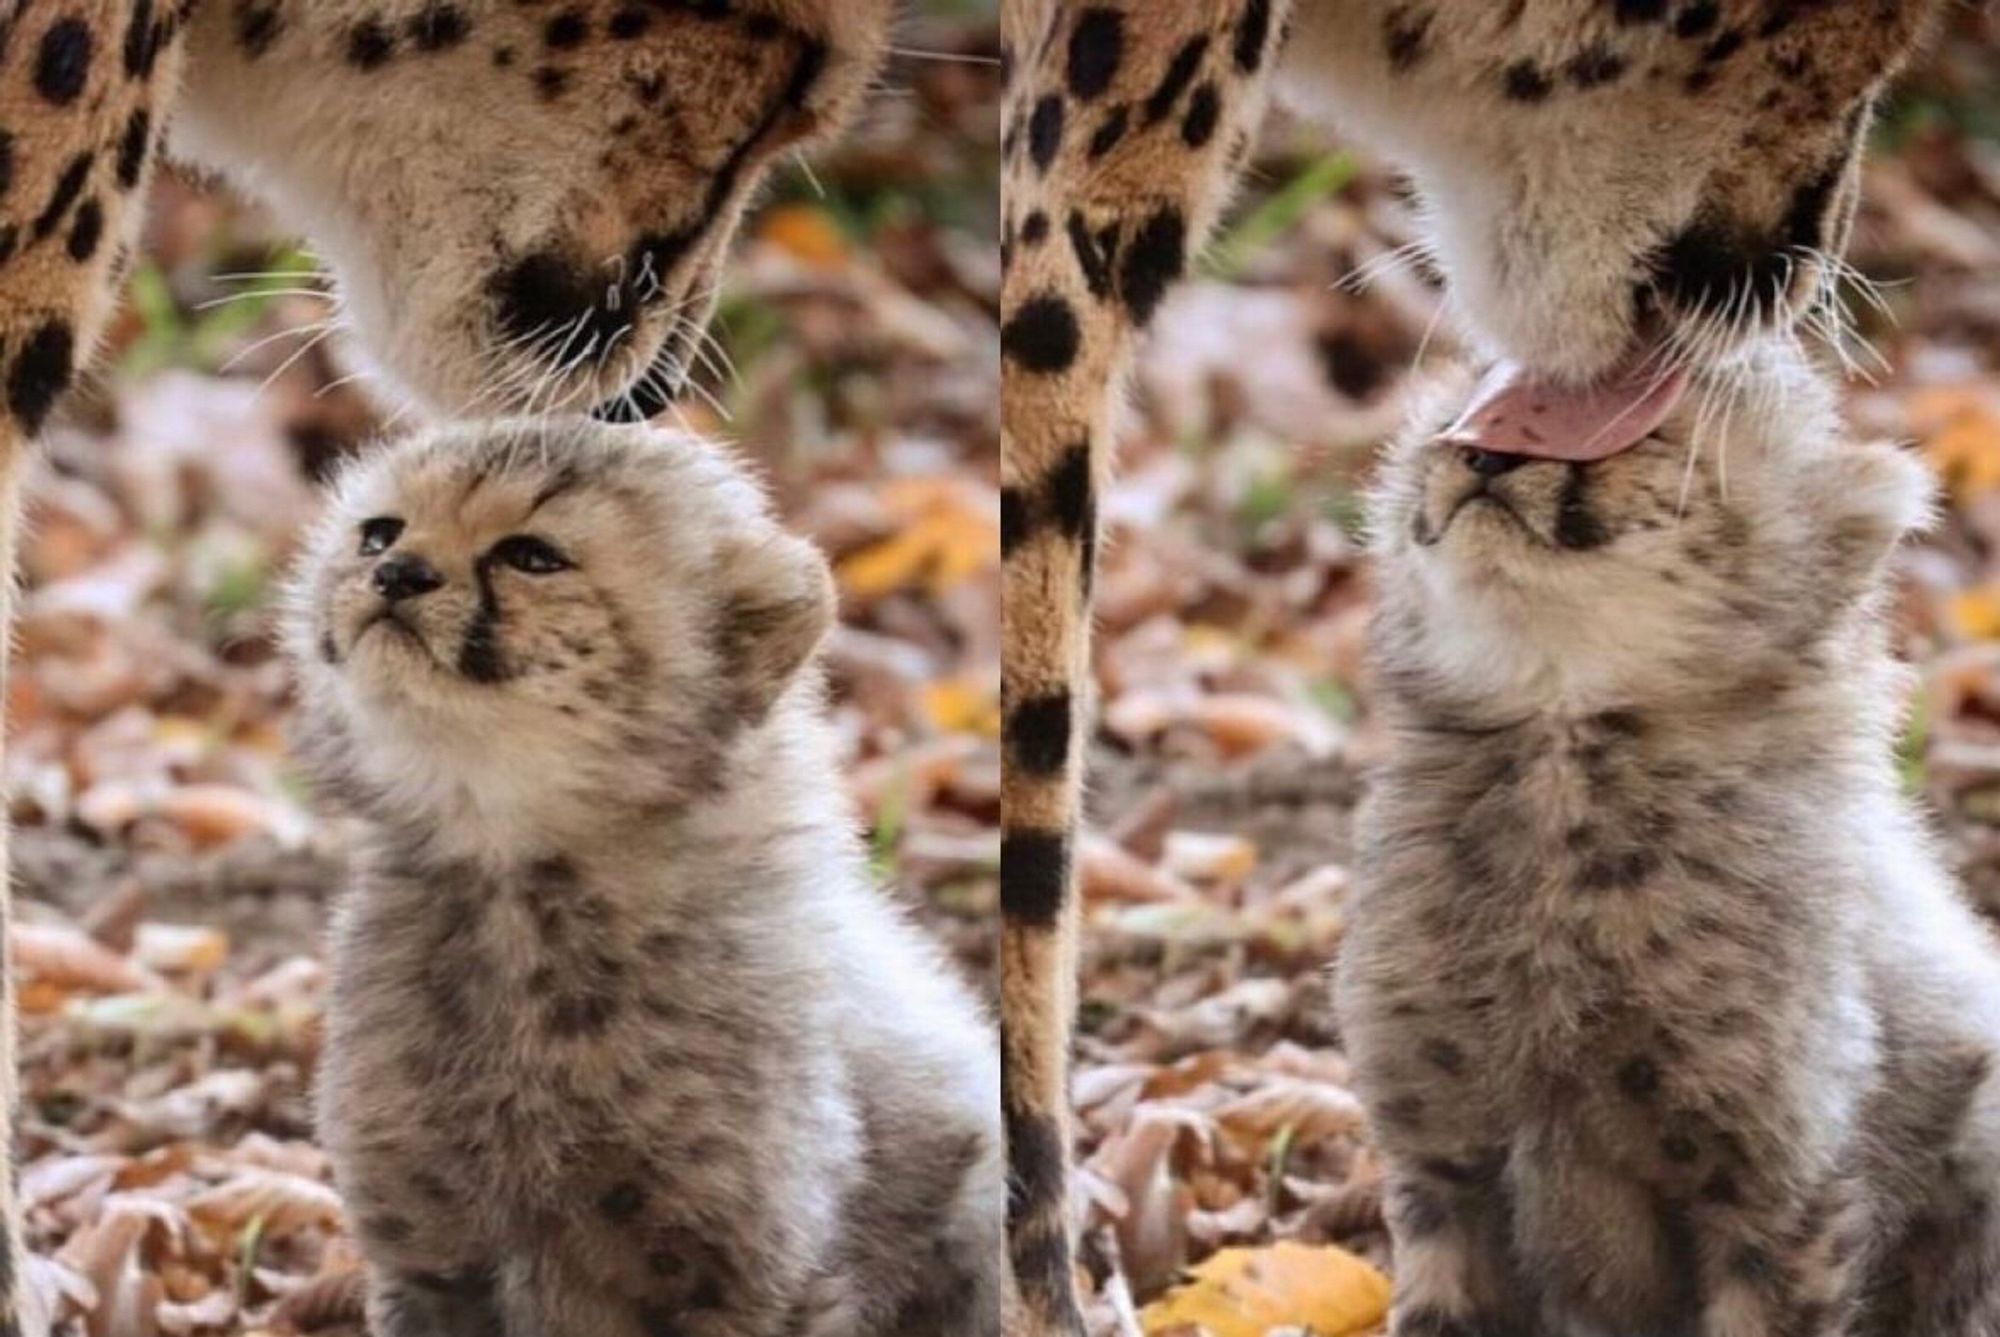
259,294
293,360
1383,263
361,375
944,57
812,178
290,331
266,275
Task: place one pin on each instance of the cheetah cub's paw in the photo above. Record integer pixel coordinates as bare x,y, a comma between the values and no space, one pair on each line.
623,1041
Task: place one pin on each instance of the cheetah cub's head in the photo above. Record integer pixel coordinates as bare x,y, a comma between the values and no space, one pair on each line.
1741,542
519,616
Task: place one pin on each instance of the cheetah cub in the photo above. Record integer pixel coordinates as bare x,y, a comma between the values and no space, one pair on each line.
622,1042
1666,1016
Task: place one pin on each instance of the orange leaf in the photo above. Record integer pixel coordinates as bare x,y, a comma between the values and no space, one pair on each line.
806,233
1247,1292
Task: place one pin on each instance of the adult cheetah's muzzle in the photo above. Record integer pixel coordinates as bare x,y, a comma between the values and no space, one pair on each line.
567,317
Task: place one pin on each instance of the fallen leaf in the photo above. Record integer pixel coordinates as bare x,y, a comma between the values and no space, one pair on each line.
1247,1292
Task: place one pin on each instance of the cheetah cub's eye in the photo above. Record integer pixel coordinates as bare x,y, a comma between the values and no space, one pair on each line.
525,552
378,534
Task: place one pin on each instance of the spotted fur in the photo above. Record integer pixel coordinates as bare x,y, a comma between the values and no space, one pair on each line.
522,205
1596,173
622,1040
1667,1017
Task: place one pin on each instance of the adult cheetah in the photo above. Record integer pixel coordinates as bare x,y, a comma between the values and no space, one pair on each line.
1616,191
524,204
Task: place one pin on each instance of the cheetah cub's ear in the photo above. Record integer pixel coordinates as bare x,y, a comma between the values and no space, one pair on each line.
781,604
1873,496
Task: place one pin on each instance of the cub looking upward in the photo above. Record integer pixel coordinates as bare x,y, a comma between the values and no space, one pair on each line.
622,1042
1667,1018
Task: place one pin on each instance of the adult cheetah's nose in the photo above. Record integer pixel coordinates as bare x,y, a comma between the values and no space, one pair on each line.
559,309
1490,463
404,576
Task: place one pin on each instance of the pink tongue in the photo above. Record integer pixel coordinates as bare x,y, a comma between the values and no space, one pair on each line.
1515,413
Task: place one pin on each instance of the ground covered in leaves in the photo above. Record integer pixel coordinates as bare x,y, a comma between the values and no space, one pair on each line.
1217,1127
172,870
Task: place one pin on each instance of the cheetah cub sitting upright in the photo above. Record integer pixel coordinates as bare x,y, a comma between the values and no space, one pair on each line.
1666,1016
622,1043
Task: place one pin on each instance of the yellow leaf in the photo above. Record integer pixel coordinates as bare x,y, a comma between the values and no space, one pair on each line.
935,552
1976,613
806,233
1246,1292
963,705
1961,435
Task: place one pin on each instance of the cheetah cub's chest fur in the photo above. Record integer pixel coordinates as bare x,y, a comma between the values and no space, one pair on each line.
623,1043
1667,1018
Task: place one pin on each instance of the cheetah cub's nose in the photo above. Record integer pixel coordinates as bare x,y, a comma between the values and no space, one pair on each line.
1490,463
405,576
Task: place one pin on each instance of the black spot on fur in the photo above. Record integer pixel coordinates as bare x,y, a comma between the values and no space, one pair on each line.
1624,870
1594,66
1180,74
1034,876
1639,1078
258,25
1721,1187
1755,1265
623,1202
1045,129
6,162
1204,111
628,23
1443,1055
1072,500
141,41
1154,260
389,1229
566,30
1576,527
1035,230
1110,130
1697,18
1096,49
1091,256
581,1015
86,230
439,27
1404,1111
62,63
1253,29
132,146
68,187
1680,1148
1725,45
1418,1212
1640,11
1034,1163
1524,81
1405,36
1038,733
370,45
1014,519
551,83
1042,335
41,372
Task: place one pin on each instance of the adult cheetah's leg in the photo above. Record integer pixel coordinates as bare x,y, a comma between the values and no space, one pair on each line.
1126,120
82,87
